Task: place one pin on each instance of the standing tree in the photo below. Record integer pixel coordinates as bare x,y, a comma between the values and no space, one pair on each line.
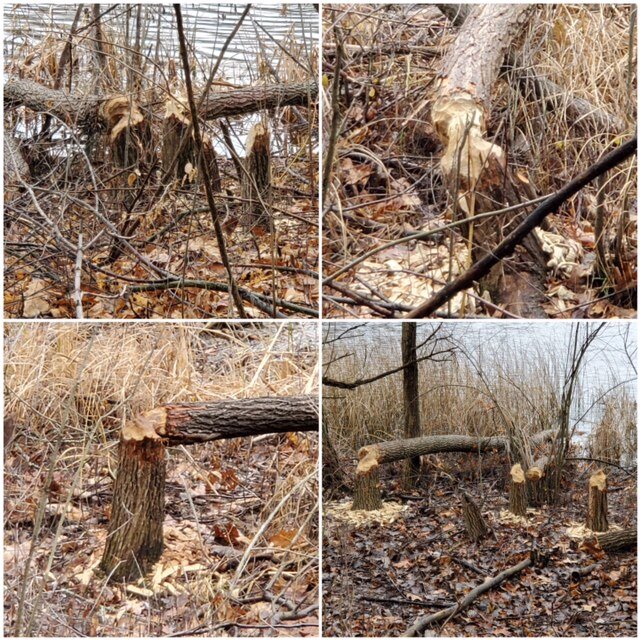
411,396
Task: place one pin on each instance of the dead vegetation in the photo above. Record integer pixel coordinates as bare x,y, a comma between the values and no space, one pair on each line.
565,96
116,206
240,523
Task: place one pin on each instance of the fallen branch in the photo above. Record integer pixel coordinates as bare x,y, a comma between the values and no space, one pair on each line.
618,540
508,245
422,623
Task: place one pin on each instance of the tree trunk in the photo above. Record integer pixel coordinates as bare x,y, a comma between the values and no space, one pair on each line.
256,179
384,452
518,491
597,515
411,395
475,169
134,542
366,492
535,488
333,478
618,540
473,520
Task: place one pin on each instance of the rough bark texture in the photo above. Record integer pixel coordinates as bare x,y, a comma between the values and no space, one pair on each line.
384,452
475,169
256,179
194,422
366,492
135,542
618,540
411,395
85,112
473,520
518,491
535,473
597,515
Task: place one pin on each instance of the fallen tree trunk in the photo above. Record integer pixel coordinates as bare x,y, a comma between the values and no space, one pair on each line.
384,452
475,169
88,112
418,627
613,541
135,541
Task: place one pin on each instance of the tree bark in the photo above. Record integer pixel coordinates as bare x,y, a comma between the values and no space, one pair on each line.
518,491
618,540
473,520
597,514
411,395
134,542
384,452
475,169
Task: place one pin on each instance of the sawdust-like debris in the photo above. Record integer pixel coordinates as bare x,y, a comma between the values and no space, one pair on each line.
387,514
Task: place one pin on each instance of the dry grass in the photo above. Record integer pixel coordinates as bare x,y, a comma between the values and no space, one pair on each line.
68,388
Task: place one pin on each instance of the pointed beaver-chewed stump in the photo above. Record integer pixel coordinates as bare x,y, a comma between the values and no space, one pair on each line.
597,515
473,520
518,491
134,541
366,488
256,179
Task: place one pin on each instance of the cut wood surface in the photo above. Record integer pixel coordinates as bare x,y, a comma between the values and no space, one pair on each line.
384,452
134,541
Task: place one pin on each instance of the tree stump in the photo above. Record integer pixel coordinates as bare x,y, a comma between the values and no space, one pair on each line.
134,541
535,488
597,515
256,179
473,520
518,491
366,491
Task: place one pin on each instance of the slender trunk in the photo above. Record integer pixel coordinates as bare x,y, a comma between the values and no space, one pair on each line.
411,394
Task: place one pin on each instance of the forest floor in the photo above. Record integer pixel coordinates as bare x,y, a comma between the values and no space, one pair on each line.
240,527
384,570
176,234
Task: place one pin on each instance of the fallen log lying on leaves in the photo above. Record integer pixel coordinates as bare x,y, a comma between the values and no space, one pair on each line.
613,541
135,539
373,455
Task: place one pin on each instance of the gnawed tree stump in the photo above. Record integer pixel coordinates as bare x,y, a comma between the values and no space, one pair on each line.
597,514
366,492
135,542
614,541
473,520
518,491
534,474
256,178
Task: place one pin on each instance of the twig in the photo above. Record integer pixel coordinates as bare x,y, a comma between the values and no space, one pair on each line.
77,280
204,168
